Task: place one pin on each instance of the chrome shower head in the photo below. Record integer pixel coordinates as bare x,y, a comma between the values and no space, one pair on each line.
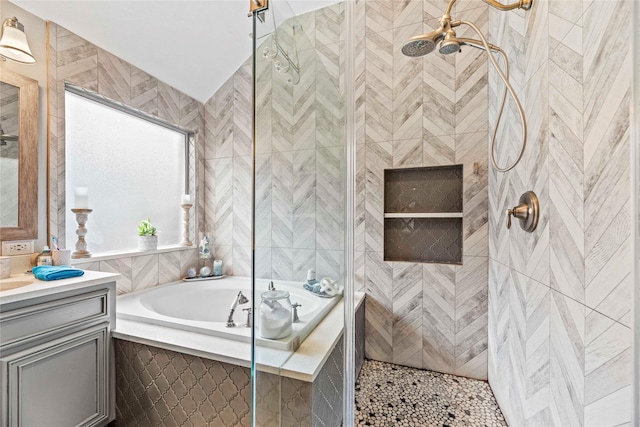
422,45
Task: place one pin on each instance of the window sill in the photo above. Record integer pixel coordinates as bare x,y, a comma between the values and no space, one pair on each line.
130,253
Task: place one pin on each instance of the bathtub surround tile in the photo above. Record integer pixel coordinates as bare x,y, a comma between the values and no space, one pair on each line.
262,263
188,259
304,199
242,200
144,271
303,261
282,185
328,264
169,267
224,253
329,103
123,266
282,263
263,200
223,207
304,103
224,123
241,261
329,195
242,111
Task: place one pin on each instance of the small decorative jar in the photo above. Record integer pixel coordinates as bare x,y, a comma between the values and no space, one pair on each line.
217,267
275,315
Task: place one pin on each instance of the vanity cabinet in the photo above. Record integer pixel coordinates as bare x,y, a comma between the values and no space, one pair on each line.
56,364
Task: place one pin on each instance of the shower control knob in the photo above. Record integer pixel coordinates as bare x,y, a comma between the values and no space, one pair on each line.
527,211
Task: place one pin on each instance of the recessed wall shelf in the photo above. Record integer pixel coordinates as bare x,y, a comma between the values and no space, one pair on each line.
423,214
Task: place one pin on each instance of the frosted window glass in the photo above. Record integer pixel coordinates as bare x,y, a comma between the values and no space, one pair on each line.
133,169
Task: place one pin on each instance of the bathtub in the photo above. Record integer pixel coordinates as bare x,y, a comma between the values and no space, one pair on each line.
203,307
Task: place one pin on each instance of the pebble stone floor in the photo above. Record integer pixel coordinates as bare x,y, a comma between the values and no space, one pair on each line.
393,395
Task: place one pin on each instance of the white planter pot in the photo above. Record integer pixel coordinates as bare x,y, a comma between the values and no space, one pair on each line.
147,243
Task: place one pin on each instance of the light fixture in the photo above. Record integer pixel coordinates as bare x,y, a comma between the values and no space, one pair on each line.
13,42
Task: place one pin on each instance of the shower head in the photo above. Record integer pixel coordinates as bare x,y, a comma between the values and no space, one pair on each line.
422,45
450,44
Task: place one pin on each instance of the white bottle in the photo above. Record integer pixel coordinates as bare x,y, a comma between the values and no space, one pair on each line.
45,257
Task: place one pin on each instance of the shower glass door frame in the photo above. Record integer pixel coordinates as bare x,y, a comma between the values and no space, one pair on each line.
348,172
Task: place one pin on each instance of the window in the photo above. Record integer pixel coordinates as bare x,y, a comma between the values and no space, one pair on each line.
133,168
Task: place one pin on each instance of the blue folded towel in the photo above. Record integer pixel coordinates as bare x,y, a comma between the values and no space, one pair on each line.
49,272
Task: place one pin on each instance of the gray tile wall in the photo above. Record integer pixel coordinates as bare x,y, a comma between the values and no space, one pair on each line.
429,111
560,298
75,60
299,176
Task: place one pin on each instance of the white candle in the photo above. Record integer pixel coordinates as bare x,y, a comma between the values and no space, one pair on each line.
82,198
186,199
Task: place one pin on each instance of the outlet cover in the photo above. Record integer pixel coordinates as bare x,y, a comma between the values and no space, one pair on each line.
15,247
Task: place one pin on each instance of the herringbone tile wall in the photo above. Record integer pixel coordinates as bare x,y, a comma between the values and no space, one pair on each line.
75,60
410,112
300,146
559,298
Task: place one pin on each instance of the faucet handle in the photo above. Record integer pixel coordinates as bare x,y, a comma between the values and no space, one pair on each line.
295,306
248,310
272,286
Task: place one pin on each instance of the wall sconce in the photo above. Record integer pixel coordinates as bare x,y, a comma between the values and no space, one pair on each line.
13,42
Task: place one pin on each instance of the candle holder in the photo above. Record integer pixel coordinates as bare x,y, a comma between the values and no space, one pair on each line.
82,215
185,218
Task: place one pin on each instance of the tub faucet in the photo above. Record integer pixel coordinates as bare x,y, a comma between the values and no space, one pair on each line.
239,300
271,286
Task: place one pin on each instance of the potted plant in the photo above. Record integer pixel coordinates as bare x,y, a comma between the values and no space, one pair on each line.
147,238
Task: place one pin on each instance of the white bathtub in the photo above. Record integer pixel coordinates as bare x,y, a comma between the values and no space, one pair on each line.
203,307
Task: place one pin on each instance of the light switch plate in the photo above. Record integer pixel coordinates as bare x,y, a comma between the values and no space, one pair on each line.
17,247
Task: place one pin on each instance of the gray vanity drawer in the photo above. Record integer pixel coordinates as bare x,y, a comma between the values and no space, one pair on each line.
36,320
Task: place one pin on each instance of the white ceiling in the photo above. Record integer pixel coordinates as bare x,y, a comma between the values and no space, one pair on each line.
194,46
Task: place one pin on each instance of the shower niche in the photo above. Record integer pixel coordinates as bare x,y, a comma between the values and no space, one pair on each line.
423,214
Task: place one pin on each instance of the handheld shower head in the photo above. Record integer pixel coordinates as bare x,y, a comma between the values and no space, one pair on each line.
423,44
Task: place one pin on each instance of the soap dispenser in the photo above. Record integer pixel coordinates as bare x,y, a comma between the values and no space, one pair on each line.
45,257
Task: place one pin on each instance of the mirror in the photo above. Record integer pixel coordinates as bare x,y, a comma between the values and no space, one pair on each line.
18,157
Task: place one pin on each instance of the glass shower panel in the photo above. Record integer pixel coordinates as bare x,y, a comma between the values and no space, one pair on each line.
299,173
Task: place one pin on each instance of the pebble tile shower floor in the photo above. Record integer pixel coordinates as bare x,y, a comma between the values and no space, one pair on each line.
393,395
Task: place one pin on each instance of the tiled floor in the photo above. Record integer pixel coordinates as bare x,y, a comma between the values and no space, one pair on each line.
393,395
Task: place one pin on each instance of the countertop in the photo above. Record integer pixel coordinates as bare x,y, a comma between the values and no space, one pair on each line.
41,288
